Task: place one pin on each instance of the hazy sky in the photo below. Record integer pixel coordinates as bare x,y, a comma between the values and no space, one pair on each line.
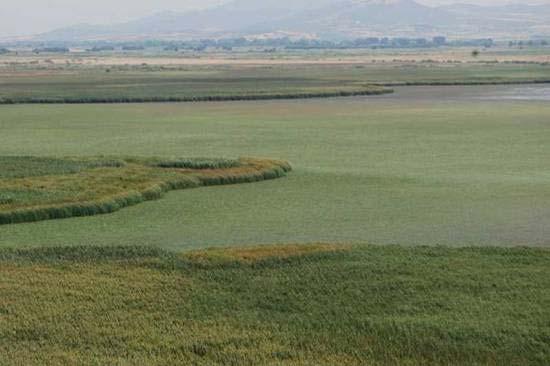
20,17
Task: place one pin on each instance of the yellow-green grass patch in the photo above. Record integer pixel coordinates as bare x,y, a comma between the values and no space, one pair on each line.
255,254
374,305
33,189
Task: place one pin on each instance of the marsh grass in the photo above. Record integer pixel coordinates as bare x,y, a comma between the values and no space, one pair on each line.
198,163
244,96
31,166
58,188
287,305
6,198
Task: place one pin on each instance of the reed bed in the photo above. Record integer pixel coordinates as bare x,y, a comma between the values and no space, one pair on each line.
316,304
375,90
72,188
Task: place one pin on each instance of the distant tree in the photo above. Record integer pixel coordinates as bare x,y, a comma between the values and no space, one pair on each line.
401,42
488,43
51,50
439,40
421,42
366,42
133,48
101,48
475,53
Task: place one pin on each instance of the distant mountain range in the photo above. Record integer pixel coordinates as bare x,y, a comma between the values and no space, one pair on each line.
331,19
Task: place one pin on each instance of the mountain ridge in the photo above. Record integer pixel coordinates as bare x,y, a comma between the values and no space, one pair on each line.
336,18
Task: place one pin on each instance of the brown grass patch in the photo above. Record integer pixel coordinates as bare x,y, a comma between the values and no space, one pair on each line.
256,254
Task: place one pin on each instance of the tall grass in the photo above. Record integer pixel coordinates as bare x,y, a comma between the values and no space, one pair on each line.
5,199
283,305
32,166
198,163
376,90
106,190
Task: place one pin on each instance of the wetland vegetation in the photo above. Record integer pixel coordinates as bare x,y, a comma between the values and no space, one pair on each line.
413,228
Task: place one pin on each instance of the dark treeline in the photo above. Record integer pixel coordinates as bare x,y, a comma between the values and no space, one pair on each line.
271,45
268,45
385,42
529,43
51,50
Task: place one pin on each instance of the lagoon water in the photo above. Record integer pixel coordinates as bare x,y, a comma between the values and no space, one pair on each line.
535,93
531,92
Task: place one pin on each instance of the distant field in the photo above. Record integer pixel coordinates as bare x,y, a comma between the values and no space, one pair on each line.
126,83
283,305
427,165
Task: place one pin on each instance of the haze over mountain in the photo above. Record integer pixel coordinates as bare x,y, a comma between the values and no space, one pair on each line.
324,19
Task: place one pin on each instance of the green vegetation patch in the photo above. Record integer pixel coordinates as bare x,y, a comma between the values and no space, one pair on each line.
30,166
258,254
198,163
359,305
65,188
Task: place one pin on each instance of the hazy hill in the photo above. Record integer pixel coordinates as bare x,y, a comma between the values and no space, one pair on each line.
338,18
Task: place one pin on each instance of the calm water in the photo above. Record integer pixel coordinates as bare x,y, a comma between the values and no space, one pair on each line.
539,92
533,92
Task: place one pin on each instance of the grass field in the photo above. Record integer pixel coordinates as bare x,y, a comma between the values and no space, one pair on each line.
289,305
80,84
424,166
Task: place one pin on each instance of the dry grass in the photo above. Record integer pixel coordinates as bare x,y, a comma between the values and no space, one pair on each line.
257,254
